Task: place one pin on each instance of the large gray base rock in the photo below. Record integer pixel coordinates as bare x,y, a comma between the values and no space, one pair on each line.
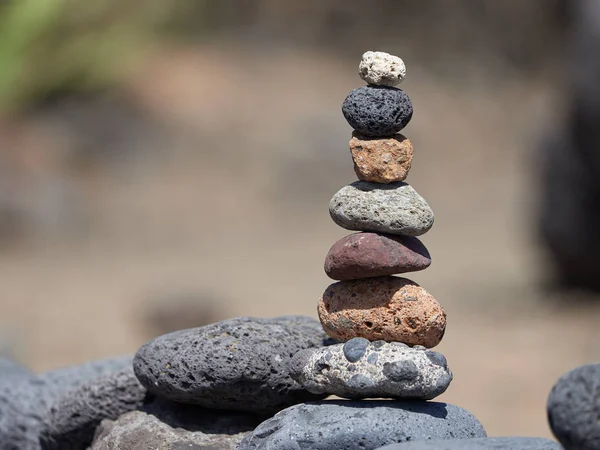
72,420
495,443
26,399
169,426
360,425
239,364
394,208
574,408
361,369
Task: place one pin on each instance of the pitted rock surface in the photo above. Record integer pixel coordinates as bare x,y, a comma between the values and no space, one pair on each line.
366,255
239,364
386,308
381,68
394,208
381,160
377,111
358,369
492,443
574,409
361,425
72,419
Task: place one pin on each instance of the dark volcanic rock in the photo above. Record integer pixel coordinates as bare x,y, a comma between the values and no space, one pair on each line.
574,409
72,420
493,443
239,364
363,425
365,255
377,111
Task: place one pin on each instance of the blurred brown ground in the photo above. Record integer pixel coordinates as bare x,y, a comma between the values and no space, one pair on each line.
207,174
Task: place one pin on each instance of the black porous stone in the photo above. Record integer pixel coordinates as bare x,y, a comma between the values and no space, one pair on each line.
574,408
401,370
239,364
377,111
360,425
493,443
355,348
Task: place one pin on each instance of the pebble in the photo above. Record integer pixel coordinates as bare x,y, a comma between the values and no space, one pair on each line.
394,208
493,443
381,160
383,308
377,111
169,426
366,255
358,370
381,68
238,364
574,410
361,425
72,420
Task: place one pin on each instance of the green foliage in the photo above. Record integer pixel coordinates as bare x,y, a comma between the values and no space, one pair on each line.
56,46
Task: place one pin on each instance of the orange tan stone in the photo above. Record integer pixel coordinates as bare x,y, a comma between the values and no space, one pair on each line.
383,308
381,160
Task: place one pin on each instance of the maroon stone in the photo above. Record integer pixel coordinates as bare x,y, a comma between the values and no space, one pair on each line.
366,255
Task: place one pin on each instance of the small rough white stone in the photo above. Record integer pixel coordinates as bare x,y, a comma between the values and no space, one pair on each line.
381,68
363,369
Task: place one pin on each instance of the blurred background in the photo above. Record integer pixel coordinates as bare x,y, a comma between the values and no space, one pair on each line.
169,164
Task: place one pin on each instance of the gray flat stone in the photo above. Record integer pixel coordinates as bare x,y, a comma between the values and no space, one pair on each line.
168,426
359,369
72,420
493,443
239,364
394,208
360,425
574,409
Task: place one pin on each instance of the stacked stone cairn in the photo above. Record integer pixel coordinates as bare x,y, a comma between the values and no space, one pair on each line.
388,323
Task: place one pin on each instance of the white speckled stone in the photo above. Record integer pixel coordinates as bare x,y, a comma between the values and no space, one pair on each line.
394,208
363,369
381,68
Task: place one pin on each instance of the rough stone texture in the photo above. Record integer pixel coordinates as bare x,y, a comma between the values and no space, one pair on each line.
574,408
25,401
72,420
381,160
494,443
11,371
381,68
387,308
377,111
360,425
366,255
358,369
394,208
239,364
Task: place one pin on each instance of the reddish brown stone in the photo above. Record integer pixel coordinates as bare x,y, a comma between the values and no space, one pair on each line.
381,160
365,255
393,309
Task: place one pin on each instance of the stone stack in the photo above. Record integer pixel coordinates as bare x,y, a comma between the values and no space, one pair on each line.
386,323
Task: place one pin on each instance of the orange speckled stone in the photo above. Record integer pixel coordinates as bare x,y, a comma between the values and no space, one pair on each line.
389,308
381,160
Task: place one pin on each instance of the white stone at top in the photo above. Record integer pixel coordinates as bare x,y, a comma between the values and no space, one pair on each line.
381,68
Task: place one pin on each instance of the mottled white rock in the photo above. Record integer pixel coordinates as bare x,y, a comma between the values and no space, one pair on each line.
394,208
363,369
381,68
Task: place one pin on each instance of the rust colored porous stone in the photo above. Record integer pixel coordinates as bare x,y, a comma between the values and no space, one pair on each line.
381,160
392,309
366,255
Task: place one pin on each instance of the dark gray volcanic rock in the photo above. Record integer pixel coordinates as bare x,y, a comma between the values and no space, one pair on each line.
574,408
72,420
493,443
360,425
239,364
377,111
